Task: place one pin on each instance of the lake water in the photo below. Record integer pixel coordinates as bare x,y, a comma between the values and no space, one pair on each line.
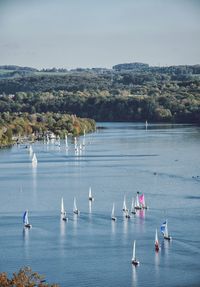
162,162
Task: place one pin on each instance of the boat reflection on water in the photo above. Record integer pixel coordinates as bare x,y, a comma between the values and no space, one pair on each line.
113,227
134,276
62,228
90,207
157,261
26,241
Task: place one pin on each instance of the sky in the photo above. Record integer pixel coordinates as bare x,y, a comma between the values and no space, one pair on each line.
99,33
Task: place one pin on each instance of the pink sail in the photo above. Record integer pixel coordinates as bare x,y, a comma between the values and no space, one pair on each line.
141,199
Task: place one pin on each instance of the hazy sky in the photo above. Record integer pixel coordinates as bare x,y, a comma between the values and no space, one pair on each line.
99,33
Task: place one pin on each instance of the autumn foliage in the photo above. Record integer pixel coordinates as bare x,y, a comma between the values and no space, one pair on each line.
24,278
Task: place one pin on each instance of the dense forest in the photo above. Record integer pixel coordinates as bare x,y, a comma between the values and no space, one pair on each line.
127,92
16,126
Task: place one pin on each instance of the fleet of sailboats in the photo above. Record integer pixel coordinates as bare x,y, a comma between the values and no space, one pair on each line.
137,204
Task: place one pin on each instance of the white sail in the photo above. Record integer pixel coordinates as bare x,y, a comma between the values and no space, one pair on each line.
90,193
84,137
134,258
30,150
124,204
113,211
62,207
137,201
75,206
75,144
146,125
66,142
156,237
166,234
132,206
34,159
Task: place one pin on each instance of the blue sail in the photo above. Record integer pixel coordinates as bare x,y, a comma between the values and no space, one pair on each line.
24,217
163,226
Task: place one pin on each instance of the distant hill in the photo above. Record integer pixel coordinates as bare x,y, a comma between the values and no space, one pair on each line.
128,92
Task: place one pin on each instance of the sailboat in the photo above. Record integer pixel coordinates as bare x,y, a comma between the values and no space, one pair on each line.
34,159
127,215
137,203
146,125
164,230
84,138
25,220
142,201
62,211
90,195
157,247
134,261
133,207
124,204
30,150
66,142
113,213
75,210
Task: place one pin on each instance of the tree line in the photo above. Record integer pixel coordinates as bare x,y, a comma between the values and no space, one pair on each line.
16,126
128,92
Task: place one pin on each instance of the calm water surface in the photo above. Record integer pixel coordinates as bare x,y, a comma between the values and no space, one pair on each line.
90,250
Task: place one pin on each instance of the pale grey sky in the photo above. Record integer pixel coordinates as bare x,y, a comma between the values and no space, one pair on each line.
99,33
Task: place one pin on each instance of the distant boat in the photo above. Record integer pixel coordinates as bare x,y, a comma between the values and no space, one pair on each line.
75,144
124,204
113,213
90,195
25,220
34,159
133,207
84,137
137,203
127,215
30,150
134,260
62,211
157,247
75,209
142,201
146,125
66,142
164,230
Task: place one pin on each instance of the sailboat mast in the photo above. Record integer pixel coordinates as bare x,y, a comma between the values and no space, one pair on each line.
134,250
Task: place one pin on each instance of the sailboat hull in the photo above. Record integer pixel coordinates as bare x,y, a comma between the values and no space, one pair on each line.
113,218
135,262
76,212
167,237
28,225
65,219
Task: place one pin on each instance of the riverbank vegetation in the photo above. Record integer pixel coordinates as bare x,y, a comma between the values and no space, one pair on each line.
127,92
16,126
24,278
